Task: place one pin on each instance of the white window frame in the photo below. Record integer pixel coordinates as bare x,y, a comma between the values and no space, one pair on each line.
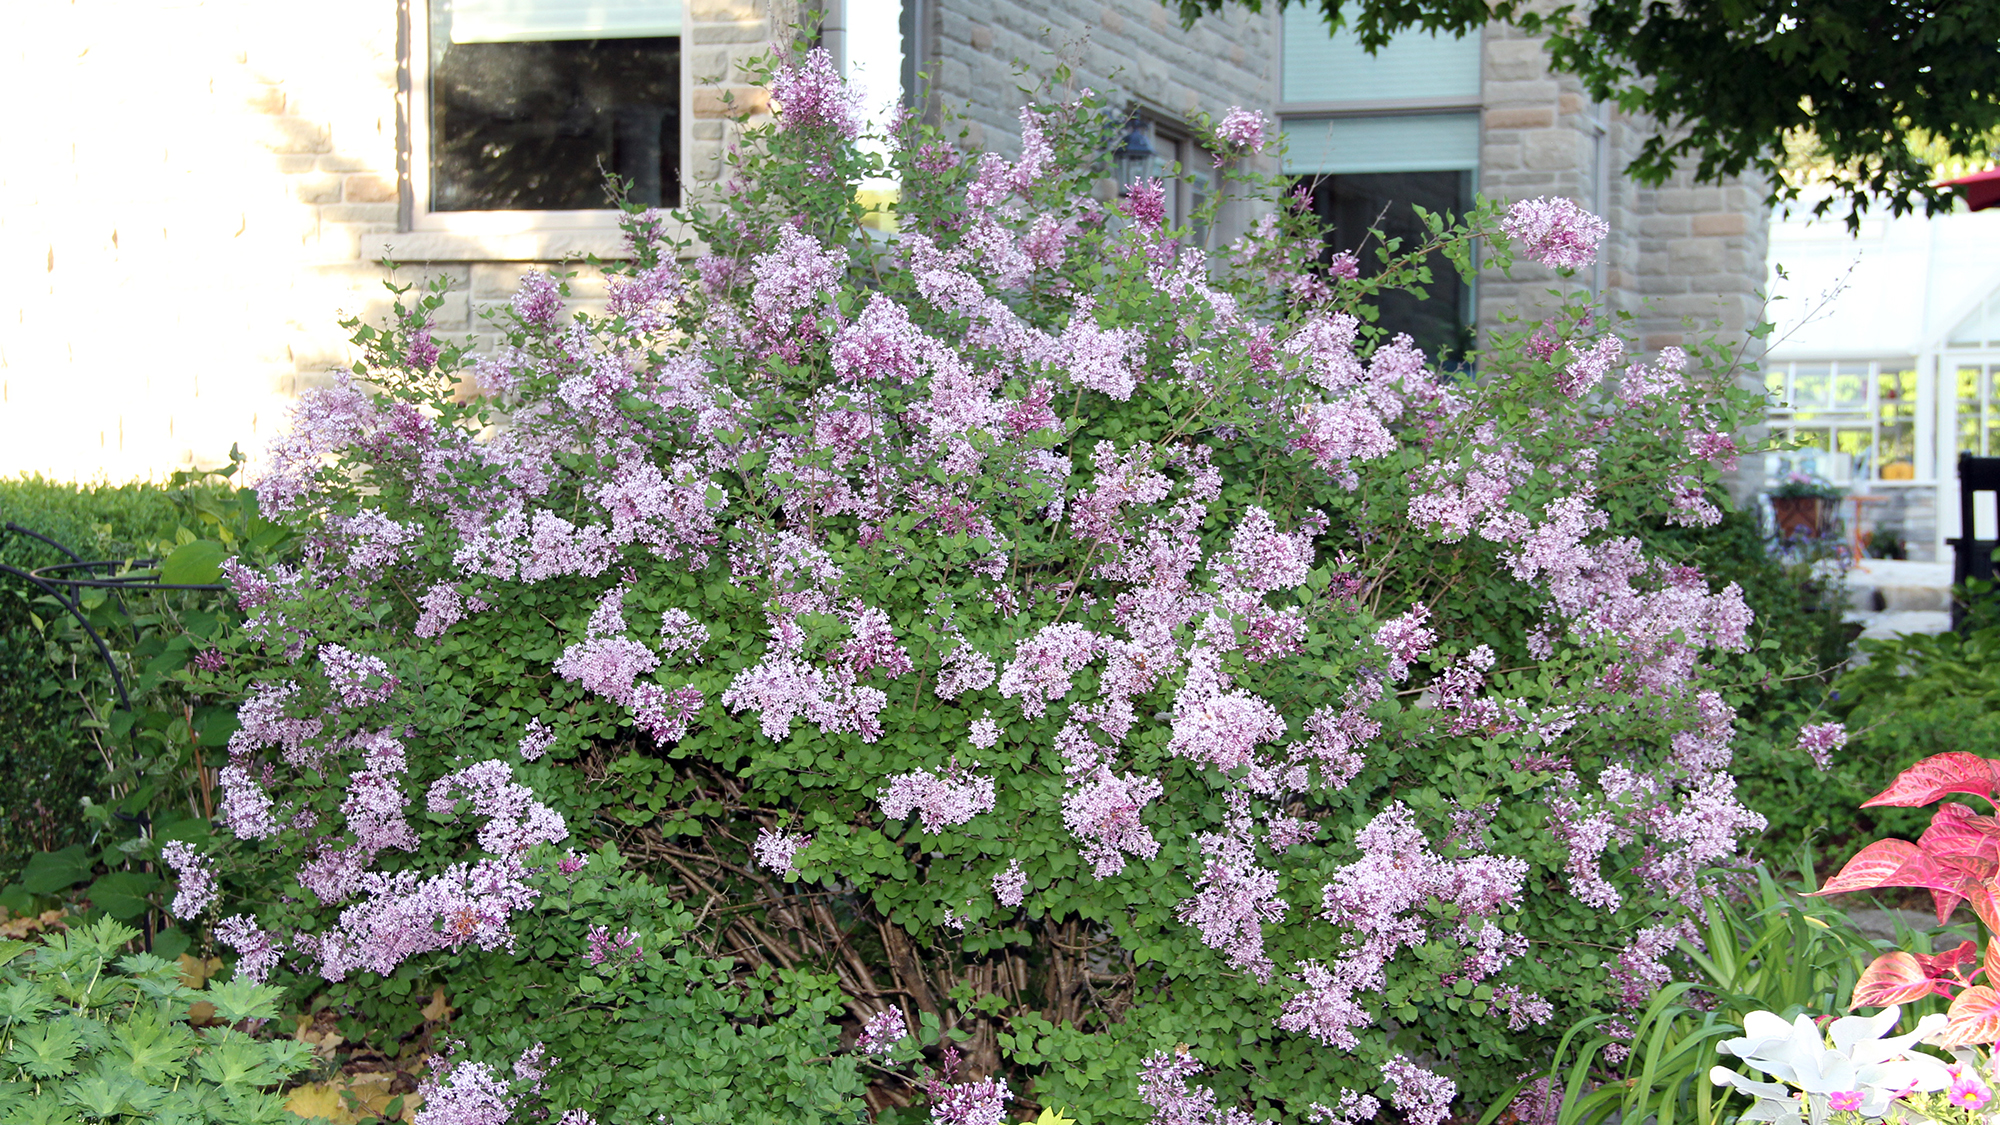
600,221
1784,421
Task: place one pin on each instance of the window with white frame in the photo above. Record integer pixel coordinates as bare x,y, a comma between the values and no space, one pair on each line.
523,106
1856,420
1373,137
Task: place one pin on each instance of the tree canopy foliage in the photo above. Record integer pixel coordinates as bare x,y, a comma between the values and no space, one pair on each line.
1866,99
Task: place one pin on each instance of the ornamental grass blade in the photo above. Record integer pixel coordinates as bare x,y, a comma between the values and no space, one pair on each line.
1937,776
1975,1018
1893,978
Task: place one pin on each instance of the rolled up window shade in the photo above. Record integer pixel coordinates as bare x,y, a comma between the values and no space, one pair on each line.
530,21
1439,142
1331,66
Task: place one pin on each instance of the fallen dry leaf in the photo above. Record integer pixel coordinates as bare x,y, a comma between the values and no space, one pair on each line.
437,1011
195,972
22,927
371,1092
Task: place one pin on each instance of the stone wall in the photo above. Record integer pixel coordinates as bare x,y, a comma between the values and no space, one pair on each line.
981,54
1675,251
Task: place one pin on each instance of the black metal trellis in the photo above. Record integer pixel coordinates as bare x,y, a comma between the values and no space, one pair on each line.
65,582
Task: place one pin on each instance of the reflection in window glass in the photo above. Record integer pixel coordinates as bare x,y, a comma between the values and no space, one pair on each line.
1850,386
1971,428
1348,205
1811,389
1774,385
1896,436
534,126
1857,443
1865,413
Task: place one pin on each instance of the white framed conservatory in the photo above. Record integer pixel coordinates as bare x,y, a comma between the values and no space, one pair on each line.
1885,366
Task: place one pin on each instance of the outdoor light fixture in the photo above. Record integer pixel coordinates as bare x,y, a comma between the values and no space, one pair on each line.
1135,157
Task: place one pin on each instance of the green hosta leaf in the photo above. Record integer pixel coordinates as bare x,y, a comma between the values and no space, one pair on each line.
48,873
243,999
122,894
45,1050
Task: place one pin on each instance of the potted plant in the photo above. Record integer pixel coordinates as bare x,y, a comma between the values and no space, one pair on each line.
1803,505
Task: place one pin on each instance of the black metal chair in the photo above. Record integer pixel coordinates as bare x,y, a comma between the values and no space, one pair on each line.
1972,557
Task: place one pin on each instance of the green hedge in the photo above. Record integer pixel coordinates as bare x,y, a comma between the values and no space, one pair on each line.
44,750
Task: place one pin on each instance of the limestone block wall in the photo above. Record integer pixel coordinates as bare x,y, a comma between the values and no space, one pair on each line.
1675,251
982,53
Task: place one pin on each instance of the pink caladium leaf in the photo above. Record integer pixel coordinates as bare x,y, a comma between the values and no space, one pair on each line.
1880,864
1958,832
1975,1018
1899,977
1939,775
1899,863
1893,978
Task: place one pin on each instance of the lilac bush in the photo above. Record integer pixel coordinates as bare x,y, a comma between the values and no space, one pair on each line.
1107,654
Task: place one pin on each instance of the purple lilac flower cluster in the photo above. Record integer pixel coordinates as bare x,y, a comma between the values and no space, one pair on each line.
196,875
1820,740
940,800
776,851
1556,232
882,1032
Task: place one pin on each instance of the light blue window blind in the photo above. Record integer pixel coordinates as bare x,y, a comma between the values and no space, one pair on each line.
1322,66
529,21
1428,142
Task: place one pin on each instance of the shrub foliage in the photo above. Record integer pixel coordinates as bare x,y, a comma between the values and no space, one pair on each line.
1120,665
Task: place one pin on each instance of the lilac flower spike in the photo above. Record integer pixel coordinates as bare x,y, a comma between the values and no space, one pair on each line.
940,800
775,851
1555,232
812,95
1820,740
882,1032
1242,129
196,875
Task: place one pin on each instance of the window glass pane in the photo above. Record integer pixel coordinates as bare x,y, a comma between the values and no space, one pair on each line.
1811,438
1774,384
1440,321
1896,393
1896,431
1858,443
534,125
1324,66
1411,143
1811,387
1850,386
1969,380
